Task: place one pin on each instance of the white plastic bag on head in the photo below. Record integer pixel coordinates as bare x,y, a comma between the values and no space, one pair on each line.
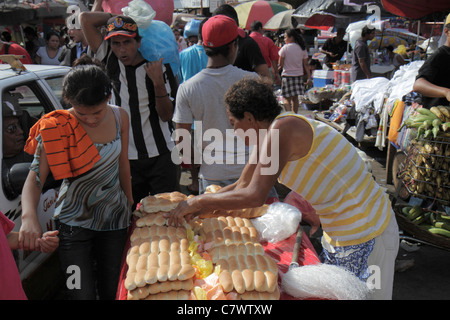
279,222
324,281
141,12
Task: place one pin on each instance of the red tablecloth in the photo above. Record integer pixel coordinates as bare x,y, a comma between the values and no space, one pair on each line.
281,252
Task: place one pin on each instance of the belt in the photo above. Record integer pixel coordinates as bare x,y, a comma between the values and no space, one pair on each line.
67,229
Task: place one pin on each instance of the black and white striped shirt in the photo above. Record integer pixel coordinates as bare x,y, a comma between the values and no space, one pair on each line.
133,90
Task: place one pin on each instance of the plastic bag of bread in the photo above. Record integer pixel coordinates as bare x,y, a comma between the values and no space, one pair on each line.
279,222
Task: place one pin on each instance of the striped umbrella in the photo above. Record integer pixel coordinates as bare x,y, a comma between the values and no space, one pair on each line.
257,10
282,20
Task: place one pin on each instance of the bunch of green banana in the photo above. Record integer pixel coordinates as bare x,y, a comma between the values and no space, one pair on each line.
414,214
438,224
431,221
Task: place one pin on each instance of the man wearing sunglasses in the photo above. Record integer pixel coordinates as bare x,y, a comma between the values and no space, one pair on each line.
13,134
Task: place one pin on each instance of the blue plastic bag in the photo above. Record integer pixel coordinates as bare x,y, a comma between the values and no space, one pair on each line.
191,28
158,41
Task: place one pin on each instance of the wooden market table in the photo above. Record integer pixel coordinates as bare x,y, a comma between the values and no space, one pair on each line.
281,252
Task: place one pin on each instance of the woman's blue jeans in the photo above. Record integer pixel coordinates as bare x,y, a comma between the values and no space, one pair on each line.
90,261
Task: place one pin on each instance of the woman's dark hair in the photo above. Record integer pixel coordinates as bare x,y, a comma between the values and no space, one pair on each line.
86,85
50,34
255,96
88,60
291,32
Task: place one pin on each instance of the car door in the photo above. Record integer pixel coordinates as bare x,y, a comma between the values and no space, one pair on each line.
37,94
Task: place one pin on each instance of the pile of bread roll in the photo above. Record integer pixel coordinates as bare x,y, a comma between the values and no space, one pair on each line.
159,264
244,266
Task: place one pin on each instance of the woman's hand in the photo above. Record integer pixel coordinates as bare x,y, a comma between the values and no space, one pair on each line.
29,233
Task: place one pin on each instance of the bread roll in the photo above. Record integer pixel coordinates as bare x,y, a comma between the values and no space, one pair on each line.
260,281
174,271
147,220
151,276
139,278
187,271
129,283
255,295
248,213
238,281
226,281
161,202
160,287
212,188
171,295
249,280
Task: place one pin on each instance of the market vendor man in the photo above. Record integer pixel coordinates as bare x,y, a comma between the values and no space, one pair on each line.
317,162
433,80
334,48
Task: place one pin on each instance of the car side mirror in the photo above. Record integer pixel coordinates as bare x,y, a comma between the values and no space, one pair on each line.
15,179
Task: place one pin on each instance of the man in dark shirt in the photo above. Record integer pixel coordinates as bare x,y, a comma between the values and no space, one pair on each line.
433,79
361,56
334,48
249,56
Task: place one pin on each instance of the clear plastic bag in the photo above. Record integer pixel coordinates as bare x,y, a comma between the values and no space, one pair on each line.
163,8
324,281
141,12
279,222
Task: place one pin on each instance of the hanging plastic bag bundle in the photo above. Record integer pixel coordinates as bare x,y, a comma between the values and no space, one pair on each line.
191,28
157,40
163,8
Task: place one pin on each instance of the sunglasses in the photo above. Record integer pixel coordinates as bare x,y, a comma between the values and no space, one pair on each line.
12,128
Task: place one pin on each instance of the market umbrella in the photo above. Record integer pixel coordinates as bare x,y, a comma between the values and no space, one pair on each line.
282,20
258,10
324,21
415,9
386,41
323,14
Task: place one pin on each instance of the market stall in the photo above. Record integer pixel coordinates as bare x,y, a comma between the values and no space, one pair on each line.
424,176
206,254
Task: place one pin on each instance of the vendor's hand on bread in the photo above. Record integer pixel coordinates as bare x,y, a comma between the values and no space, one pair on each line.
182,213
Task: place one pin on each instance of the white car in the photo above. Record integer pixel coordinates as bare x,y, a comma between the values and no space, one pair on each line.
39,89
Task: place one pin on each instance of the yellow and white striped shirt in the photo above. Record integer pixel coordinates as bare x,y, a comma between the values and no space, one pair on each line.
351,206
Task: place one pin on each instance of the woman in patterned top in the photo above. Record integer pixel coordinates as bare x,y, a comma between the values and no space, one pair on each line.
87,147
317,162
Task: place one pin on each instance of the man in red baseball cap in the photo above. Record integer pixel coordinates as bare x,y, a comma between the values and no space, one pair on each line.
220,30
201,97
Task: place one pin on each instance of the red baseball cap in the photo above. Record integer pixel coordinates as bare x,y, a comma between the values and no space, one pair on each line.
121,26
220,30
